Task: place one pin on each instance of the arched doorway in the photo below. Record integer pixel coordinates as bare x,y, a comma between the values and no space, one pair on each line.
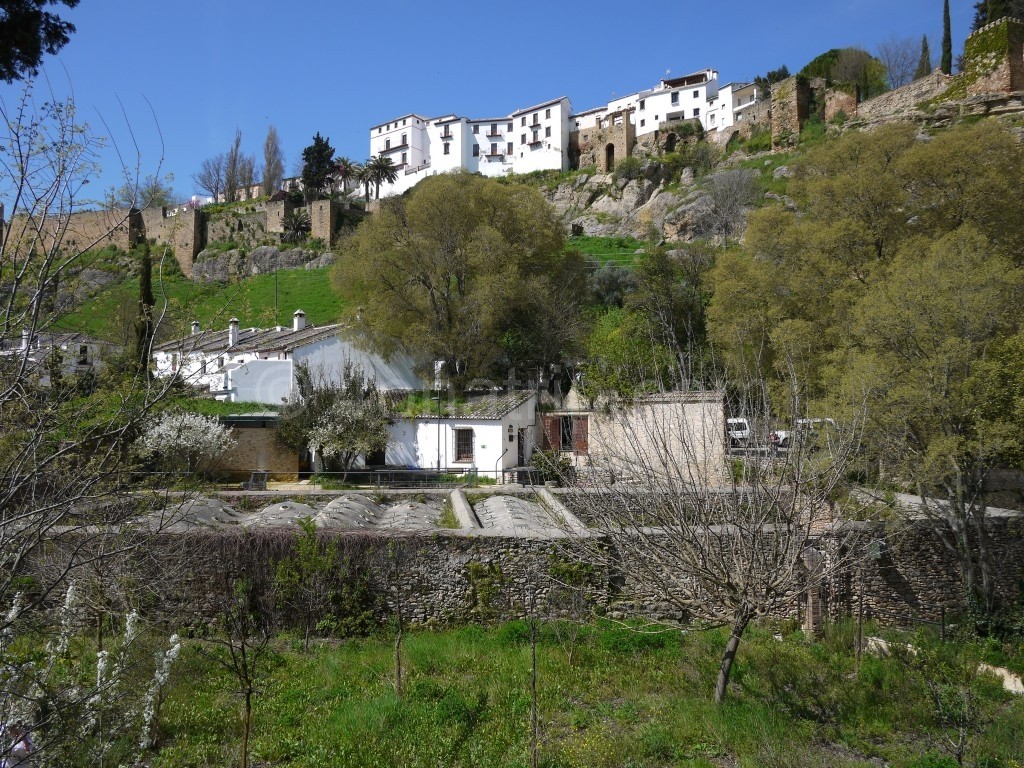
609,158
670,143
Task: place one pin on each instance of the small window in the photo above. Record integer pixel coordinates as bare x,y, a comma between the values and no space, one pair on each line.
547,132
696,112
696,94
463,444
447,149
643,123
476,129
405,139
536,137
509,150
202,366
547,114
675,98
494,128
403,122
476,150
387,143
510,126
404,159
524,120
494,149
642,103
522,139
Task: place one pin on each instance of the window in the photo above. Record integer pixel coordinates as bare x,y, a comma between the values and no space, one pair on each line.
403,122
643,123
536,137
510,126
463,444
494,149
547,114
524,120
509,150
476,150
696,112
675,98
642,103
696,94
522,139
405,138
404,159
476,129
494,128
447,149
572,434
83,354
387,143
547,132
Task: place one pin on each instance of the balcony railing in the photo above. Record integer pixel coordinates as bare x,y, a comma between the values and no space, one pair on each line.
417,168
395,148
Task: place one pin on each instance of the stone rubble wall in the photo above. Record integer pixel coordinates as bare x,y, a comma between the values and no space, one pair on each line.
904,101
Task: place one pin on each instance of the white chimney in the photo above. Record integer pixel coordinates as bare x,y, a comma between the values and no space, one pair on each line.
233,332
298,320
24,338
195,327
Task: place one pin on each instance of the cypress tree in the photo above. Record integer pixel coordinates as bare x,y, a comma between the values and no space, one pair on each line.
924,64
144,321
947,42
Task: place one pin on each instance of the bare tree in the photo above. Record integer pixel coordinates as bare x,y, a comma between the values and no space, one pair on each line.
232,165
273,162
899,55
210,178
713,545
730,193
247,174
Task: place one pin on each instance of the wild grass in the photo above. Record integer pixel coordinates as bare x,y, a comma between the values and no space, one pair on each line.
627,699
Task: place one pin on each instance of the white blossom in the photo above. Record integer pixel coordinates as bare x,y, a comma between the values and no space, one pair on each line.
184,440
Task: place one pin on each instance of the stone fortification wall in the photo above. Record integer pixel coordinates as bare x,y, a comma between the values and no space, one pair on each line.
789,109
244,226
180,228
82,231
904,101
590,145
994,59
839,101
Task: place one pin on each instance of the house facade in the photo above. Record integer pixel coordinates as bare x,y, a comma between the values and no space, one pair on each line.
531,139
261,366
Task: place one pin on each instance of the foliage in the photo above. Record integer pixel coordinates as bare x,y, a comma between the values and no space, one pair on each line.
946,62
924,64
760,141
849,65
765,82
273,162
27,32
303,581
317,168
151,191
628,168
611,284
553,466
297,226
464,270
339,420
626,355
184,442
381,170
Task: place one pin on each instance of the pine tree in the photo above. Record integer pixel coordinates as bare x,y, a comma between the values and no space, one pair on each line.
317,168
924,64
947,42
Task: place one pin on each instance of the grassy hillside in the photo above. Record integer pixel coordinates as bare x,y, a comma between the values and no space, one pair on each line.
107,314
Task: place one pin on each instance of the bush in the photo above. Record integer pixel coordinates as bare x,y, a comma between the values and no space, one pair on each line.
759,141
554,467
628,168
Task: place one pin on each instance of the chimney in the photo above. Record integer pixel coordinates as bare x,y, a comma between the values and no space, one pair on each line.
298,320
232,332
24,338
195,327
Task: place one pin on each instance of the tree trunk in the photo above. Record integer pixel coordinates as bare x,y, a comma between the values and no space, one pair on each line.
534,719
246,718
727,658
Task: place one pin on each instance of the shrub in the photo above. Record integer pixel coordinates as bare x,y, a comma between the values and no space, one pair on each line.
628,168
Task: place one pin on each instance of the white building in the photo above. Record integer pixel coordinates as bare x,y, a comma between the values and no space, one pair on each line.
731,106
532,139
487,433
257,365
74,354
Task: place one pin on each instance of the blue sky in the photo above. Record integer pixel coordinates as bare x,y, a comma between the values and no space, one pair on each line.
193,72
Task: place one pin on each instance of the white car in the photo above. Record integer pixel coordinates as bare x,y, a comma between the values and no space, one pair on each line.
738,431
802,428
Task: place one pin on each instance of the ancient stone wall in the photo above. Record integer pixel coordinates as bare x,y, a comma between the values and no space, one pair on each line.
839,101
789,104
86,230
246,226
323,218
590,145
276,213
994,58
904,101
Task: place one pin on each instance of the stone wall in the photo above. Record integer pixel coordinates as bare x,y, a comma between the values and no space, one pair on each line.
789,105
994,58
86,230
276,213
904,101
590,145
838,101
324,216
180,228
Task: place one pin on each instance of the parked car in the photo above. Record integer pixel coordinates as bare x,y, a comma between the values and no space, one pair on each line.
803,429
738,431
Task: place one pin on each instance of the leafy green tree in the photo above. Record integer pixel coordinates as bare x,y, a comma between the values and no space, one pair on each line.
458,266
625,356
27,32
765,82
924,64
273,162
347,170
850,65
947,41
317,168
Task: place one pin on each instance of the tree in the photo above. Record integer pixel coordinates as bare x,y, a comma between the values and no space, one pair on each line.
303,581
924,63
465,270
247,173
946,64
849,65
185,442
764,83
233,161
210,178
317,168
340,421
144,323
273,162
152,191
898,55
27,32
987,11
730,193
382,171
347,170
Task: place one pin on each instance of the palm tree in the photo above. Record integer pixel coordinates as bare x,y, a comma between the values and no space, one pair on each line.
346,169
382,170
364,175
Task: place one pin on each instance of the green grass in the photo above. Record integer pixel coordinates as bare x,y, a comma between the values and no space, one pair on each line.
250,300
621,250
627,699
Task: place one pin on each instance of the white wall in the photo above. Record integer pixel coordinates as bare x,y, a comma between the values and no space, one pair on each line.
329,357
259,381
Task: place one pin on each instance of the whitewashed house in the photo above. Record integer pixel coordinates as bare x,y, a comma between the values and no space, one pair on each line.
531,139
70,353
257,365
731,106
487,433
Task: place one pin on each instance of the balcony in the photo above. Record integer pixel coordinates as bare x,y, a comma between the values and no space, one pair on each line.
395,148
495,154
447,135
494,135
536,142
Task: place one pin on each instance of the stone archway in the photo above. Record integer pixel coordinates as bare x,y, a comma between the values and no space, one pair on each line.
670,142
609,158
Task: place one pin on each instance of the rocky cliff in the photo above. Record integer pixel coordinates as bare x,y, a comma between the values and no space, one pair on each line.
216,265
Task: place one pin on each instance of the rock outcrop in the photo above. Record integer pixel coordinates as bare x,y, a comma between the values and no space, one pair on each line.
222,266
